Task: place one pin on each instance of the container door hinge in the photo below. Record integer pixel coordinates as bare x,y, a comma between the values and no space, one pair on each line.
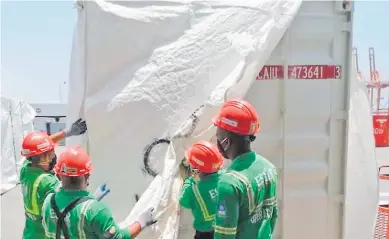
340,115
344,6
339,198
347,27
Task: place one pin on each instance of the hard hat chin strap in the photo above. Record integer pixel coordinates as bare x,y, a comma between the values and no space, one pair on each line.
221,147
53,162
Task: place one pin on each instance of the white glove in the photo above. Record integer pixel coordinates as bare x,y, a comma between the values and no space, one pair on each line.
146,218
101,191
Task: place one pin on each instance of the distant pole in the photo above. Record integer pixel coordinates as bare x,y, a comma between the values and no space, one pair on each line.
60,92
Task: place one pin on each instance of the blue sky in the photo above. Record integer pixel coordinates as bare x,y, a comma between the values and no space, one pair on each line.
36,39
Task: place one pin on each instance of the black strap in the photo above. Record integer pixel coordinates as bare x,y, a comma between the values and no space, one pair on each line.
61,224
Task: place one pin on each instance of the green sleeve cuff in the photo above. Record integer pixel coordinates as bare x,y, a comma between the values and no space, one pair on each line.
125,234
186,198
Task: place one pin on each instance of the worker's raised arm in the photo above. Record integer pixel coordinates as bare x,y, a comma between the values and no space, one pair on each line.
227,214
58,136
104,225
186,197
79,127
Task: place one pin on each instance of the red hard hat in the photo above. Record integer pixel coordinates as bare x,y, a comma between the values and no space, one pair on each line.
73,162
205,157
238,116
36,143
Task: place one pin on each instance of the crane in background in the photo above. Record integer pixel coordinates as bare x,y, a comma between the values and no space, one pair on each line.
380,112
359,73
376,83
374,80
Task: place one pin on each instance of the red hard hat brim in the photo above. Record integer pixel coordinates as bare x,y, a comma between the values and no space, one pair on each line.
32,154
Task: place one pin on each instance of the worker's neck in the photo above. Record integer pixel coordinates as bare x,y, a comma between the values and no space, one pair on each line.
204,175
73,188
238,152
37,165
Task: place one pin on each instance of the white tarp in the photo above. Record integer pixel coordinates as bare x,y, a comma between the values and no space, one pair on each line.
16,120
140,70
361,167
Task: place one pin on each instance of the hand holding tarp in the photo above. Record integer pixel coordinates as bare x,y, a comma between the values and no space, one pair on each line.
184,169
147,218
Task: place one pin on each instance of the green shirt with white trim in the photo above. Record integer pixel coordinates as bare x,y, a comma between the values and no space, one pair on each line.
89,219
200,197
36,185
247,203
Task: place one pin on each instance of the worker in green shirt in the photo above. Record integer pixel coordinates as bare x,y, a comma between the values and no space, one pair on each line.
199,192
247,203
72,213
35,175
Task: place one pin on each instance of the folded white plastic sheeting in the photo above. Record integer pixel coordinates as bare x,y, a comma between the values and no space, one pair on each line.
362,166
16,120
148,76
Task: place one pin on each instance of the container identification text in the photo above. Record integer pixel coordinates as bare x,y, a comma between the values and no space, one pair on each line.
301,72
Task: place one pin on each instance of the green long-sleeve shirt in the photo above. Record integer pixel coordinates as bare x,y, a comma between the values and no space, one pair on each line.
247,203
200,197
36,185
90,219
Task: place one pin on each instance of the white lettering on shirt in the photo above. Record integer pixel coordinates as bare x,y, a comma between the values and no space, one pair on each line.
213,194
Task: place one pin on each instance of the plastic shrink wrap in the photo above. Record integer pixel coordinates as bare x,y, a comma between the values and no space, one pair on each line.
149,75
16,120
139,72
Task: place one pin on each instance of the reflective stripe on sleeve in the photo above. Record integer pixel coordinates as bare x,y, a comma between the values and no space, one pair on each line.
225,230
270,201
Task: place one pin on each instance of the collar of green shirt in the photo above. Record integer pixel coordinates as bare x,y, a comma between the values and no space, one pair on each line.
211,176
74,192
243,160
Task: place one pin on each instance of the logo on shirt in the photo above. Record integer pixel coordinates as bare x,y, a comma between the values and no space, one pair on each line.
256,217
213,194
221,210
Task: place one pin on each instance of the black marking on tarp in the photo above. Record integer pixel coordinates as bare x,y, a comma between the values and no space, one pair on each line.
193,118
146,155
